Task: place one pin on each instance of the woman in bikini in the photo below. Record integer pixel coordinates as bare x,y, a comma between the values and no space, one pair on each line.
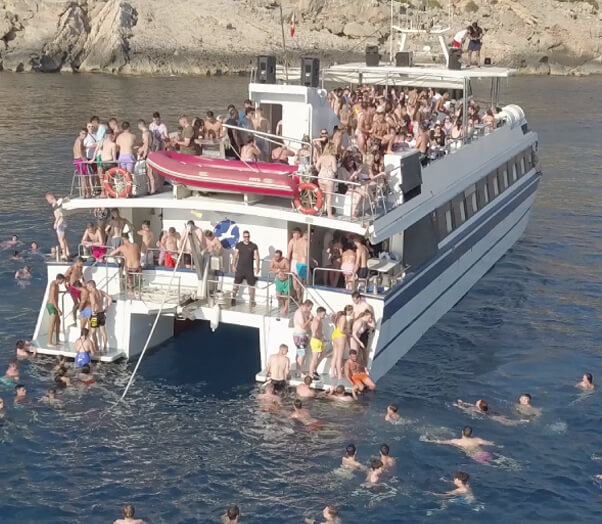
327,168
348,266
339,342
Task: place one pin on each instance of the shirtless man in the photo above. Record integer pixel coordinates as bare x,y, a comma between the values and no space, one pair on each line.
20,394
375,471
304,390
279,368
23,273
361,259
281,154
108,154
170,243
148,241
269,399
250,152
482,407
388,462
212,243
128,516
98,319
81,163
12,372
301,323
280,266
126,142
297,254
60,225
472,446
231,516
213,127
356,373
316,343
391,415
302,415
94,239
73,275
54,312
339,394
422,144
85,308
131,253
587,382
144,150
261,124
25,349
116,227
462,487
350,459
524,406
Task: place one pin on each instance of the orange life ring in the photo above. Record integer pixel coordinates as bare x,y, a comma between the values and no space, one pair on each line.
308,186
111,186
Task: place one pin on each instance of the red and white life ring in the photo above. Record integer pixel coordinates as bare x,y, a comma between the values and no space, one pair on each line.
117,188
308,186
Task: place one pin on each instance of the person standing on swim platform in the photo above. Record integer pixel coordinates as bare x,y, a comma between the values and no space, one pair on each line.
54,312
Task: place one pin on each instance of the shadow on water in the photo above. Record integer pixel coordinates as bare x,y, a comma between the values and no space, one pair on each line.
220,360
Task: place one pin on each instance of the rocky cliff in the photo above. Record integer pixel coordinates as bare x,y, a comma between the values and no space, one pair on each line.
224,36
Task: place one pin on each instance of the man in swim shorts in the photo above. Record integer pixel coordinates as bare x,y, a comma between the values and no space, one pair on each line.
361,259
54,312
301,322
316,343
81,163
98,318
85,308
281,267
279,368
131,253
126,142
356,373
470,445
297,254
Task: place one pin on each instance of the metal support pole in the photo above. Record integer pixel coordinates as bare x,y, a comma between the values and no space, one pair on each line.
465,108
283,44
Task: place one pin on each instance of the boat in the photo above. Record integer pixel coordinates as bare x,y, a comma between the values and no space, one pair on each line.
436,227
233,176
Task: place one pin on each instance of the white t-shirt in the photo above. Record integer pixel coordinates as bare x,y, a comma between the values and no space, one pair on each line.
90,145
158,131
460,36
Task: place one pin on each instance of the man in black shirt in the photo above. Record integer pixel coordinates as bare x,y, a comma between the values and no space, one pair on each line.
245,254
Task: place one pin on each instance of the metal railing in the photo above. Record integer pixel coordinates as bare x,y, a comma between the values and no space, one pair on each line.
91,185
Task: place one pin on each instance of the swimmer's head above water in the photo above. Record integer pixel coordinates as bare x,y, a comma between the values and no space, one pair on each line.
524,399
482,405
269,388
351,450
307,380
297,404
339,390
330,513
461,478
233,513
587,377
384,450
467,432
376,464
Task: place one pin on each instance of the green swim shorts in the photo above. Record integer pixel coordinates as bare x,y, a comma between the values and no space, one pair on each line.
51,309
283,286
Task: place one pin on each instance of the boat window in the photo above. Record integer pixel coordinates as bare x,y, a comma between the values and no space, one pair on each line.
458,210
470,201
448,221
473,203
515,170
496,187
523,169
505,182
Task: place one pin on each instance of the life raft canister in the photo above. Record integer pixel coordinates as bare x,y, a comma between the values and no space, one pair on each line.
308,186
111,185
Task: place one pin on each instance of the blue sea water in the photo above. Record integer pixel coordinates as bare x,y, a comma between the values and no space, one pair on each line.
189,439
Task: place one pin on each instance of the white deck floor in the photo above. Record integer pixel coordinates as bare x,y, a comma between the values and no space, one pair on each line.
68,350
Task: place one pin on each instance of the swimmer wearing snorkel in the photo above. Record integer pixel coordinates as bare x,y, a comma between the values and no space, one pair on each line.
469,444
391,415
587,382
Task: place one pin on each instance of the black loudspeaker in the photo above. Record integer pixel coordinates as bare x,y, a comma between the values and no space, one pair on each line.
411,175
487,61
404,59
266,70
454,59
372,56
310,72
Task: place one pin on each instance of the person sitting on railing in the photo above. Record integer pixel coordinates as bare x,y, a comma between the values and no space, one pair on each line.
281,267
327,167
94,239
81,164
131,253
357,373
116,227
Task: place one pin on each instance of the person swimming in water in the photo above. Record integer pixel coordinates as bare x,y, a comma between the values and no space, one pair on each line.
340,395
231,516
587,382
469,444
482,407
20,394
391,415
12,372
524,406
462,488
375,471
14,241
302,415
85,376
128,512
25,349
269,400
50,396
23,274
350,460
330,514
304,390
388,462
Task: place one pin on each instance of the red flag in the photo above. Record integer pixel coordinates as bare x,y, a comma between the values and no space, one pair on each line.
293,25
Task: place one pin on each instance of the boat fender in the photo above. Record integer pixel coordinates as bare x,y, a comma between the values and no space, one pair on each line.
110,186
82,358
308,186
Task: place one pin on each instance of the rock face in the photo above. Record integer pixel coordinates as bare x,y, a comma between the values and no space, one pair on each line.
225,36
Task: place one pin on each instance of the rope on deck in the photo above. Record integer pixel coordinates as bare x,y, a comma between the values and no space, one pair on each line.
165,295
